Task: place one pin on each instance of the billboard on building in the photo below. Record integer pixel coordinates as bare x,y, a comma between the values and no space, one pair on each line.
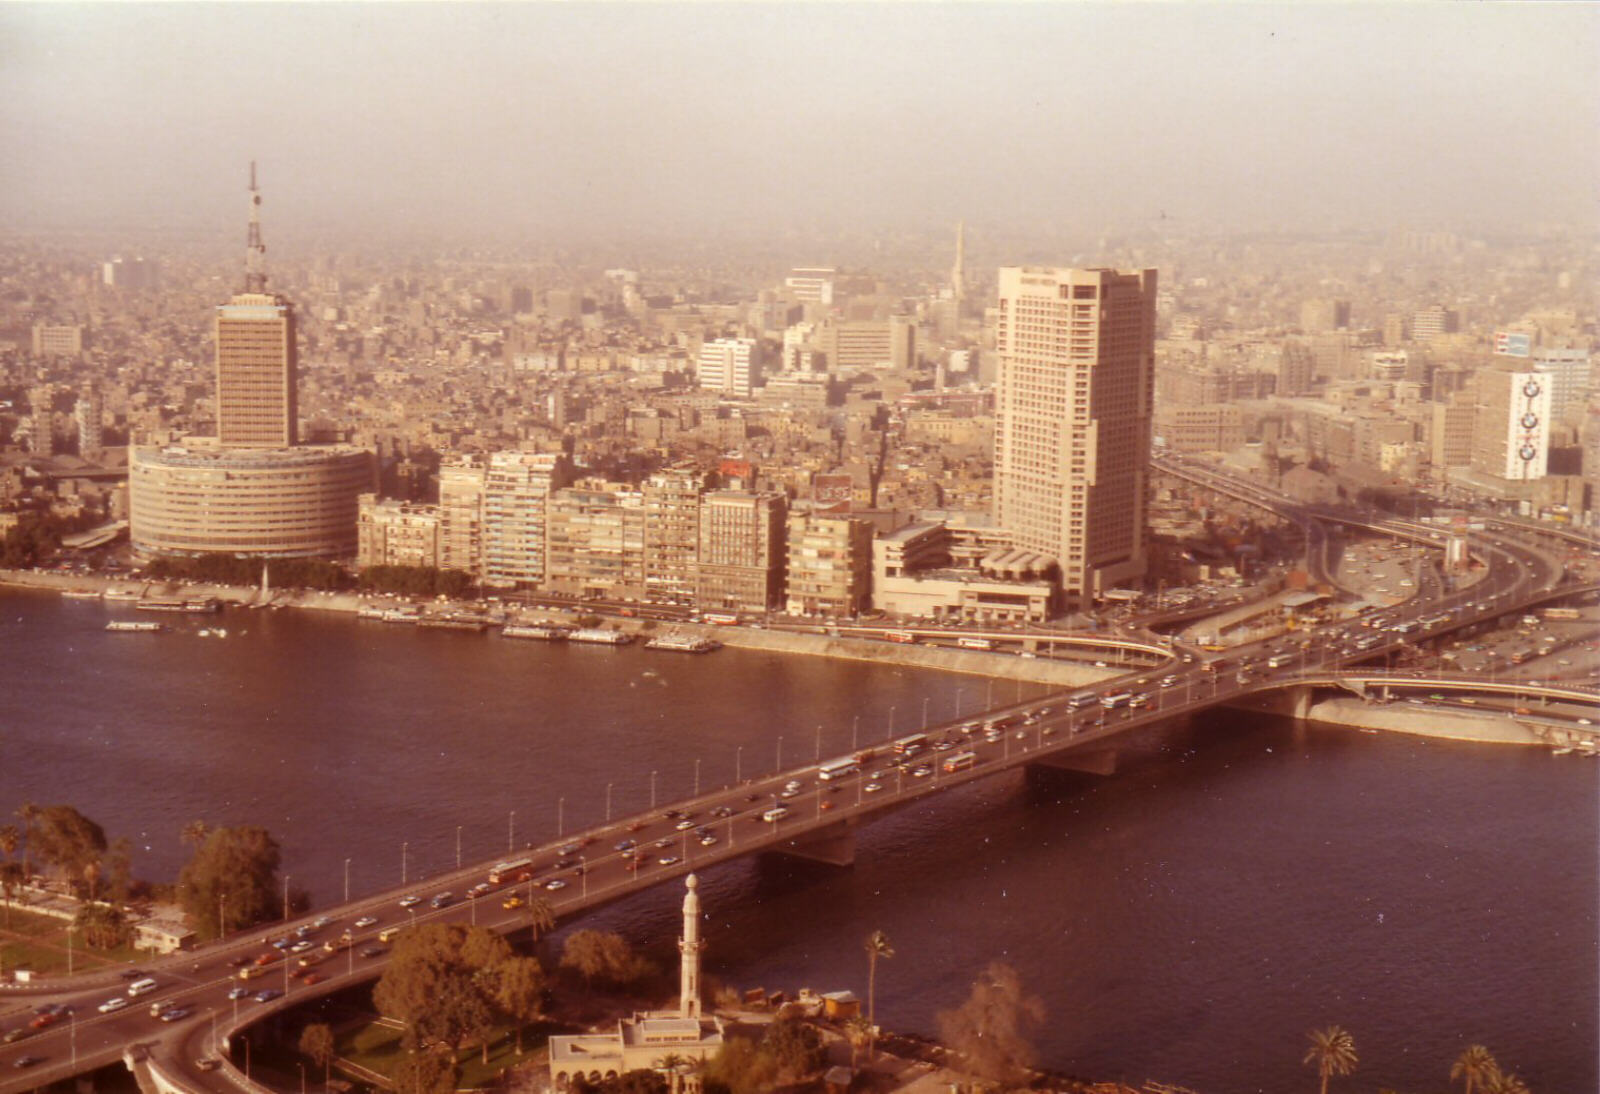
1512,344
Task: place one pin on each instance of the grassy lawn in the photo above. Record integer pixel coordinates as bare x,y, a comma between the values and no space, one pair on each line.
40,943
18,921
377,1048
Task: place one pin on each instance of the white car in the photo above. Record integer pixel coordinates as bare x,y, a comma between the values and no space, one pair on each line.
302,946
410,901
366,921
114,1003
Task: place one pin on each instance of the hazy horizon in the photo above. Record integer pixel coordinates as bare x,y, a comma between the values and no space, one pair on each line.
704,119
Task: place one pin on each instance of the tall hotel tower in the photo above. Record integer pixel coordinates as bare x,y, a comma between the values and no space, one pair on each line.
1073,417
256,355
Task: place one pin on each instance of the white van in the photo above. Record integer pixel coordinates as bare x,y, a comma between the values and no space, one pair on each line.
142,987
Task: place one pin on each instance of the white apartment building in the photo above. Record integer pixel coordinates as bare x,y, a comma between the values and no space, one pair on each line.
731,366
516,504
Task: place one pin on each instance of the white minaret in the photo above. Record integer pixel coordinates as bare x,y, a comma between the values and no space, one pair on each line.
689,947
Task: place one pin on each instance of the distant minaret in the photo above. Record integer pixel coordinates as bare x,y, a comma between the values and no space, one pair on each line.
958,272
689,947
255,252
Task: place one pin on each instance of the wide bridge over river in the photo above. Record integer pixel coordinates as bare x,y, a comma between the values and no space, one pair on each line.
794,812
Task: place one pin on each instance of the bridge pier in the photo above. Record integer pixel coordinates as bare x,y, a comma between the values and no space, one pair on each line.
1097,761
834,845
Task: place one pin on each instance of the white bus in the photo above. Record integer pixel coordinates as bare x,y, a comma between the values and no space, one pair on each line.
975,643
839,769
910,746
1115,699
517,870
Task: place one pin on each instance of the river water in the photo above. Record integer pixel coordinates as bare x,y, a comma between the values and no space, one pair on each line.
1241,881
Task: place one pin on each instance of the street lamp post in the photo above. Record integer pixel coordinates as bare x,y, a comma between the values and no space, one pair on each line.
958,702
738,756
286,897
69,951
780,753
855,729
511,831
891,723
458,847
925,699
608,803
347,880
817,758
697,776
561,817
652,790
403,848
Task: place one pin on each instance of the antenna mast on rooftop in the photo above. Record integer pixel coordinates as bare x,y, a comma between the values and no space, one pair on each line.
255,274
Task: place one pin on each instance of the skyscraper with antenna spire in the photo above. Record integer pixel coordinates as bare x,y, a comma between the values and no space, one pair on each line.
257,360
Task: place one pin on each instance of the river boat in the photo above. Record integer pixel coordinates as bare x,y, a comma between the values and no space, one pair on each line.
450,623
81,594
123,594
599,637
370,612
401,615
523,630
209,604
683,643
130,626
157,605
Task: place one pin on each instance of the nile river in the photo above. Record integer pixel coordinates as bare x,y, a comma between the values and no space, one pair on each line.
1239,882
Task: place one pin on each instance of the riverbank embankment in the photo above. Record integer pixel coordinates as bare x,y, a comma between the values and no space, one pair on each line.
1423,721
987,663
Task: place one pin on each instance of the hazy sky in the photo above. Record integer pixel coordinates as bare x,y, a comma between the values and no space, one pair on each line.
691,117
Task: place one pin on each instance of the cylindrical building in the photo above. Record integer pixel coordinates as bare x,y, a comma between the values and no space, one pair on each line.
263,503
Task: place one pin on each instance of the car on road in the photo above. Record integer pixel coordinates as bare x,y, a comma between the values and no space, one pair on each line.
312,959
624,846
321,922
208,1063
14,1035
442,900
669,860
722,811
410,901
302,946
175,1014
116,1002
267,995
684,825
372,951
775,814
239,992
872,788
570,848
281,943
480,889
313,978
239,962
48,1018
555,883
131,974
366,921
921,771
708,840
511,902
27,1061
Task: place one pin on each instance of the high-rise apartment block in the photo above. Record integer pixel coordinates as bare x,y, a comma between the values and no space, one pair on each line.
731,366
396,533
671,535
1076,355
41,408
90,411
57,340
1433,321
1324,315
516,504
1569,373
1297,365
741,554
461,488
595,541
1511,433
830,565
811,284
868,344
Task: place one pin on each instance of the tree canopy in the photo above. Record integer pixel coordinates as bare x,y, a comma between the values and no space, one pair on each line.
442,982
67,840
602,955
990,1030
234,873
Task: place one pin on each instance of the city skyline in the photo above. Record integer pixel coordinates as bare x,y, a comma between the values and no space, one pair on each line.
570,121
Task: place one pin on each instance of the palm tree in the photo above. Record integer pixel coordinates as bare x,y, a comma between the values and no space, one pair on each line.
27,814
1333,1050
195,833
858,1031
10,839
1504,1082
877,946
541,916
1475,1067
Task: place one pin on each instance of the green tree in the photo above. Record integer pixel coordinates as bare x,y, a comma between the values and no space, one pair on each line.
195,833
1505,1082
602,955
10,882
519,986
67,840
794,1047
429,1071
234,873
540,913
858,1031
103,925
990,1030
877,946
1333,1051
317,1045
740,1068
440,982
10,839
1475,1067
118,869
